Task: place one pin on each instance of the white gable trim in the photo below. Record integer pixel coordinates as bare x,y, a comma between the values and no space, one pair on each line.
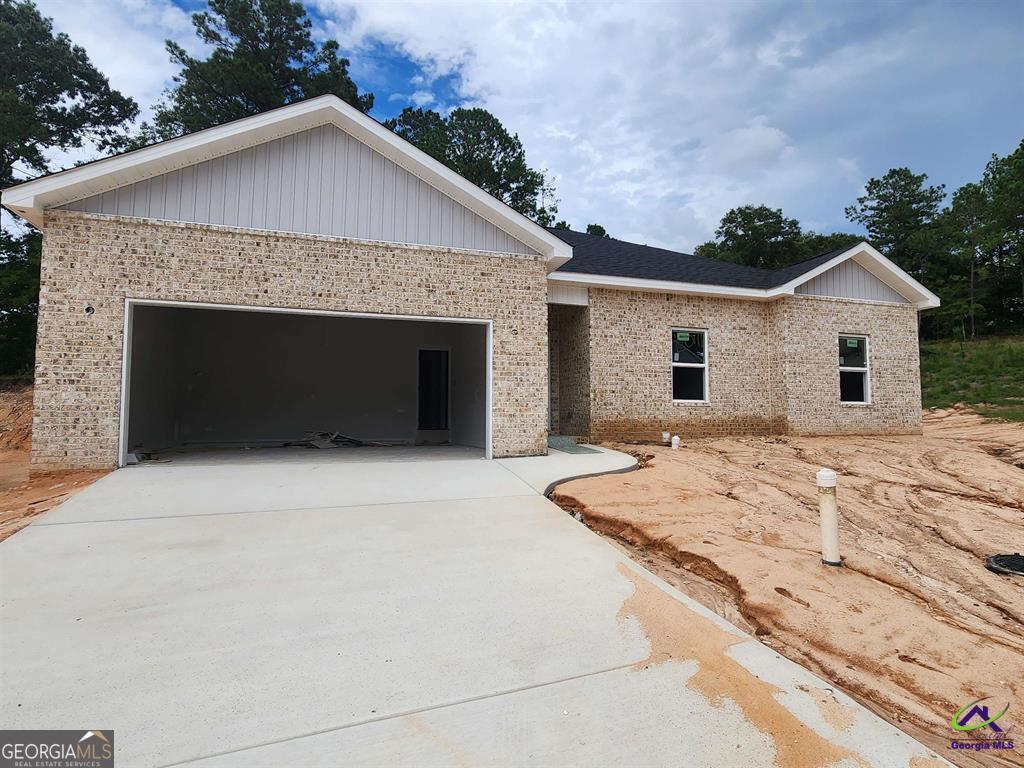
30,199
863,253
874,262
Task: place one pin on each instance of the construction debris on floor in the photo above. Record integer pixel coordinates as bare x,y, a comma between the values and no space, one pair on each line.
913,625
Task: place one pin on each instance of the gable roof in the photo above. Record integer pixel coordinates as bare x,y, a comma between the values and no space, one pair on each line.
603,261
30,199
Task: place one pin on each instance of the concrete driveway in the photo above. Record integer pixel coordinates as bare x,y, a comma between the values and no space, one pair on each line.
359,609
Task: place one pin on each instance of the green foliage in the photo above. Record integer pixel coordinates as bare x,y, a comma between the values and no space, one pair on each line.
759,236
474,144
987,374
263,57
897,211
597,229
19,300
51,96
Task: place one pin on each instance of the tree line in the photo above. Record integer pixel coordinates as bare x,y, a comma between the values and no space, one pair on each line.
967,248
263,55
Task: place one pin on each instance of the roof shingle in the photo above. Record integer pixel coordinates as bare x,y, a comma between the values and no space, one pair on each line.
595,255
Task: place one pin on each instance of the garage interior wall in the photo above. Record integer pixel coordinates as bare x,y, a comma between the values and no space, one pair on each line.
210,376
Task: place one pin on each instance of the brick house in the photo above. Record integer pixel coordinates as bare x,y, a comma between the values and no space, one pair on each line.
307,270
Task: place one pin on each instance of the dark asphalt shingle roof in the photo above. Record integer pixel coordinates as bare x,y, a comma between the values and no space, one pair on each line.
593,255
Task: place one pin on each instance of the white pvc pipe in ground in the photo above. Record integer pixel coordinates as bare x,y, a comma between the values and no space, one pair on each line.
828,510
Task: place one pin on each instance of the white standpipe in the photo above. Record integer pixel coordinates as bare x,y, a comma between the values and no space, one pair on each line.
665,438
675,442
828,509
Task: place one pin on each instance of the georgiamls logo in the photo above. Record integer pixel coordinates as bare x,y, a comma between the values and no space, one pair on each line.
974,716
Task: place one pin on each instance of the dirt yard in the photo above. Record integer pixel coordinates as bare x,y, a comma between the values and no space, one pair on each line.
913,626
21,497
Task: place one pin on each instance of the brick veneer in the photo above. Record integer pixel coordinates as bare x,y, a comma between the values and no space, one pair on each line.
809,327
568,336
98,261
773,366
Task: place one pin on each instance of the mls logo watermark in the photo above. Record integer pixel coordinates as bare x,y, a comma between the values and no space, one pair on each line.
56,749
981,724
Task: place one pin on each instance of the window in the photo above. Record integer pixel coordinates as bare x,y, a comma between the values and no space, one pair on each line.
689,366
854,381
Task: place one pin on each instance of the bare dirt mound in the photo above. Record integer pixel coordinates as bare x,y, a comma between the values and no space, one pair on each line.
23,498
16,418
914,626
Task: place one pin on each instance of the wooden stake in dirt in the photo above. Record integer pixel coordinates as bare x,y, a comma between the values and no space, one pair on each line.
828,510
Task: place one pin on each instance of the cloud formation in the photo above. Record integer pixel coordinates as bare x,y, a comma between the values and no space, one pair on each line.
656,118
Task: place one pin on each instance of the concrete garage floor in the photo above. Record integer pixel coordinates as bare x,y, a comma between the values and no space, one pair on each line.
399,613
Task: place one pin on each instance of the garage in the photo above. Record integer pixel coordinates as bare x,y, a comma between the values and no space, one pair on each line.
205,377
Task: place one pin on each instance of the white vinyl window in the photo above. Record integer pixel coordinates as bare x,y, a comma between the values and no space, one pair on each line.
689,366
854,370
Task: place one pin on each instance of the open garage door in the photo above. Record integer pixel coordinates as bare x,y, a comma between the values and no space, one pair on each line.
205,377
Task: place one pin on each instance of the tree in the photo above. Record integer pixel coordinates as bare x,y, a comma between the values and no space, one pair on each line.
51,96
19,300
814,244
1004,178
474,144
597,229
897,210
263,57
756,236
966,225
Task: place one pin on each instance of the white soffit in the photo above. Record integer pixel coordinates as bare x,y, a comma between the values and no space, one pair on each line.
31,198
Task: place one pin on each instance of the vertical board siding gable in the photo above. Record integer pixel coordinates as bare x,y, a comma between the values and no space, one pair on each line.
849,280
320,181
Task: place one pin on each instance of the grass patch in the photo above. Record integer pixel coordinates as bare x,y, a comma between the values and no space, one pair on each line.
987,374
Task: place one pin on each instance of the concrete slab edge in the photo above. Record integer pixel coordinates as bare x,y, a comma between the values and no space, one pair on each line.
551,486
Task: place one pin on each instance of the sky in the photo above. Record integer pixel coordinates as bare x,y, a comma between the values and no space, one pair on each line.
654,119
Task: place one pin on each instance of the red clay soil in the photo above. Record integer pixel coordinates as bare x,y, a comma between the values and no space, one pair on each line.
913,625
24,497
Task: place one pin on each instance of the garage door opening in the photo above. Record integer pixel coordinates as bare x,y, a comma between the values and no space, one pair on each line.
199,378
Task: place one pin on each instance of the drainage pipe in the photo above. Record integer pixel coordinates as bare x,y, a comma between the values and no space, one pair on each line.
828,510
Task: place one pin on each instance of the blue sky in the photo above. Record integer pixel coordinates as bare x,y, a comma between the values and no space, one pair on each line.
654,119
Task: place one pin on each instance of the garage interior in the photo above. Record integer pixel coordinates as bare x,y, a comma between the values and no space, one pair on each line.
204,378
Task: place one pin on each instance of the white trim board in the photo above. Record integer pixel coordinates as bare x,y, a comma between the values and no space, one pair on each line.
30,199
862,253
130,304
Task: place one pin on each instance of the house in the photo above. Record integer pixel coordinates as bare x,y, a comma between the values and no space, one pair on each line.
306,269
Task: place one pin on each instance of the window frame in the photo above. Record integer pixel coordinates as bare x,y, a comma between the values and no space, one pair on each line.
704,365
866,370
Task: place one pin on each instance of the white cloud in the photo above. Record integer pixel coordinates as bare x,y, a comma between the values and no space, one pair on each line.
648,116
422,98
125,40
657,118
654,119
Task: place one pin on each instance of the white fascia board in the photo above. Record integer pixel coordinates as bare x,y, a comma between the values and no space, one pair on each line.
30,199
658,286
874,262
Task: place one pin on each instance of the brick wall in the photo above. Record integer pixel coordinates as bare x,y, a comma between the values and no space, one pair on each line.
571,326
810,328
631,356
773,366
553,370
98,261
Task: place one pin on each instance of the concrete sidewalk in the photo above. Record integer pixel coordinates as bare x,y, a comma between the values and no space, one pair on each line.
417,613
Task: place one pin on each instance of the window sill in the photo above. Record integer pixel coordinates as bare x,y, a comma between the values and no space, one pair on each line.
691,402
855,405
